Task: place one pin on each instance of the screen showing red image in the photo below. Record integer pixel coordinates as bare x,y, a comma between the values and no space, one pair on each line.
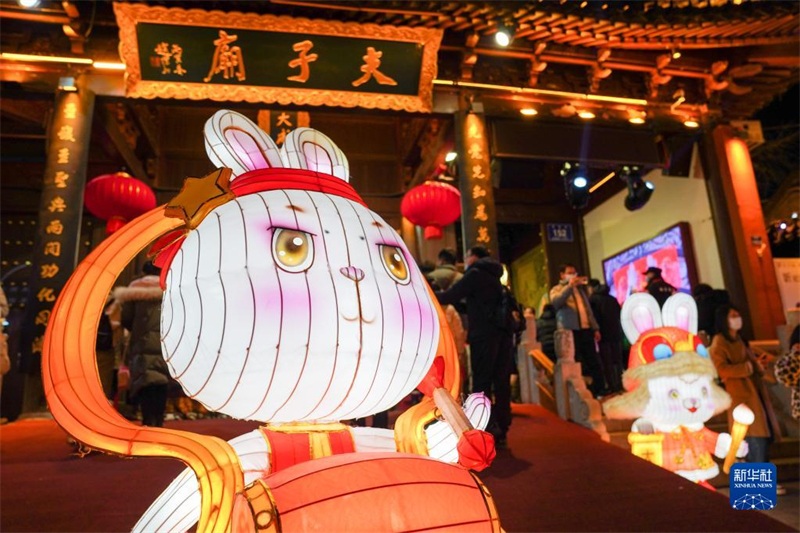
670,250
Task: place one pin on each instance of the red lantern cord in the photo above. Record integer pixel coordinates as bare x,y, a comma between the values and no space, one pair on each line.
118,198
433,205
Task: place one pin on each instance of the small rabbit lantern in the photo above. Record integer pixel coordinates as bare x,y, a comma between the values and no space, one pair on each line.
671,389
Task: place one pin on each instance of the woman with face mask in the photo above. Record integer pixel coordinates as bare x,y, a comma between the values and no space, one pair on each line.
741,373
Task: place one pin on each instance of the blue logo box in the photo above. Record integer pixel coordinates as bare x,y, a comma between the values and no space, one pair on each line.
754,486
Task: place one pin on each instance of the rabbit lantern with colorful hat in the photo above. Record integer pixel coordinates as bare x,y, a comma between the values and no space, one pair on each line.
671,390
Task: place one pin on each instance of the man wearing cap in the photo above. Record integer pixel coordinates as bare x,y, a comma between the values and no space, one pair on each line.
657,287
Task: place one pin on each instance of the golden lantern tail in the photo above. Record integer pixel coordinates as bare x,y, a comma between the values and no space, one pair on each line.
75,395
409,429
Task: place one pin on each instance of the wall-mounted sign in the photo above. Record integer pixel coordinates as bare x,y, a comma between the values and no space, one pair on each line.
196,54
559,233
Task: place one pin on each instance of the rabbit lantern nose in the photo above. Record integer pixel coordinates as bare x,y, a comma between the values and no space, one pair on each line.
353,273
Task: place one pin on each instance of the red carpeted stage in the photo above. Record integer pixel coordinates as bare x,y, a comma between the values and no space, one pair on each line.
555,476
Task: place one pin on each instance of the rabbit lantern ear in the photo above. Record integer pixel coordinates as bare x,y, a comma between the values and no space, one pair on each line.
235,142
311,150
640,313
680,311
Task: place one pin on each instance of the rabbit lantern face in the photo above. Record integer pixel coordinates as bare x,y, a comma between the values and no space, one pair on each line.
292,301
680,400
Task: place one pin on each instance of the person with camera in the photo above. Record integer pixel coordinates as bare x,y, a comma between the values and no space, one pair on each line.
574,312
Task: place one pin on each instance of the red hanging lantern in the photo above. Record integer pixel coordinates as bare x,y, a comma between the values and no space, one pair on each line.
433,205
118,198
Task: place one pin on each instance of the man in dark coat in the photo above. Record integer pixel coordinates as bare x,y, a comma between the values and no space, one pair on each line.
546,331
607,312
490,347
141,315
657,287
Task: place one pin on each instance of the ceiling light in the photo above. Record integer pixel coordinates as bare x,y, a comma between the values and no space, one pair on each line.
602,181
575,185
28,3
636,120
783,225
794,215
586,115
691,123
676,54
108,65
505,33
528,111
639,190
46,59
450,157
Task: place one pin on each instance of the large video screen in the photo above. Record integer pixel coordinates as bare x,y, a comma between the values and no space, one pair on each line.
671,251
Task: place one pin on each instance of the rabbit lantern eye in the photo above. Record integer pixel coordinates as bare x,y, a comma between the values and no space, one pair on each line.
395,263
704,391
673,393
293,250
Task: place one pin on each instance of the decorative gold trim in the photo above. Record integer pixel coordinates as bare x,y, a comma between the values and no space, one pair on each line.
128,15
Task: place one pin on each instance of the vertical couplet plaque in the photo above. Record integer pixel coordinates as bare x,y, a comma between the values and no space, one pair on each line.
478,221
56,250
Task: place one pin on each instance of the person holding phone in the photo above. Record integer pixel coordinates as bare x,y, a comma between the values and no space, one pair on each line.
574,312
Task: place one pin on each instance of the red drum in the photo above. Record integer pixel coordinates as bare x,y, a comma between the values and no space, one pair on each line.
368,492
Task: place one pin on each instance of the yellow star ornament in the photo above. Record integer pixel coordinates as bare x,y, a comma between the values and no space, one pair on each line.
199,196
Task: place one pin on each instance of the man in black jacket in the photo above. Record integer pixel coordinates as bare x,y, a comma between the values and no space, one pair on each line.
608,313
657,287
490,347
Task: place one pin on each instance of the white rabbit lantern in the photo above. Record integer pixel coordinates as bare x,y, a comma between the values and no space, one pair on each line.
289,302
671,389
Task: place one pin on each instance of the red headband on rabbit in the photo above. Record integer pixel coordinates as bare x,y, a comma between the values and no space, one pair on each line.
199,196
251,162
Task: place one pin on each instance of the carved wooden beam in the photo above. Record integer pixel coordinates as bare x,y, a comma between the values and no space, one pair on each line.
121,142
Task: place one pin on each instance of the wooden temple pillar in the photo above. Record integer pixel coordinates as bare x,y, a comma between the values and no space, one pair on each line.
478,218
55,252
747,264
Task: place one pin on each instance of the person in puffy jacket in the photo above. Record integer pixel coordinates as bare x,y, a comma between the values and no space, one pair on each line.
141,315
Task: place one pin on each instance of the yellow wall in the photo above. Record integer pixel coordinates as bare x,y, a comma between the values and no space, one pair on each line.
529,278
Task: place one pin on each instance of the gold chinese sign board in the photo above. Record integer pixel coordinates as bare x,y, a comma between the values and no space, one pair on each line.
245,57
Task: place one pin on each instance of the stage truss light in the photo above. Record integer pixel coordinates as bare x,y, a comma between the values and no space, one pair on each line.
639,189
576,185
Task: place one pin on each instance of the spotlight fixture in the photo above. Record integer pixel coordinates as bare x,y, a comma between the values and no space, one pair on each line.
794,215
528,111
586,115
450,157
639,190
67,84
505,33
691,123
636,120
676,54
28,3
576,185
